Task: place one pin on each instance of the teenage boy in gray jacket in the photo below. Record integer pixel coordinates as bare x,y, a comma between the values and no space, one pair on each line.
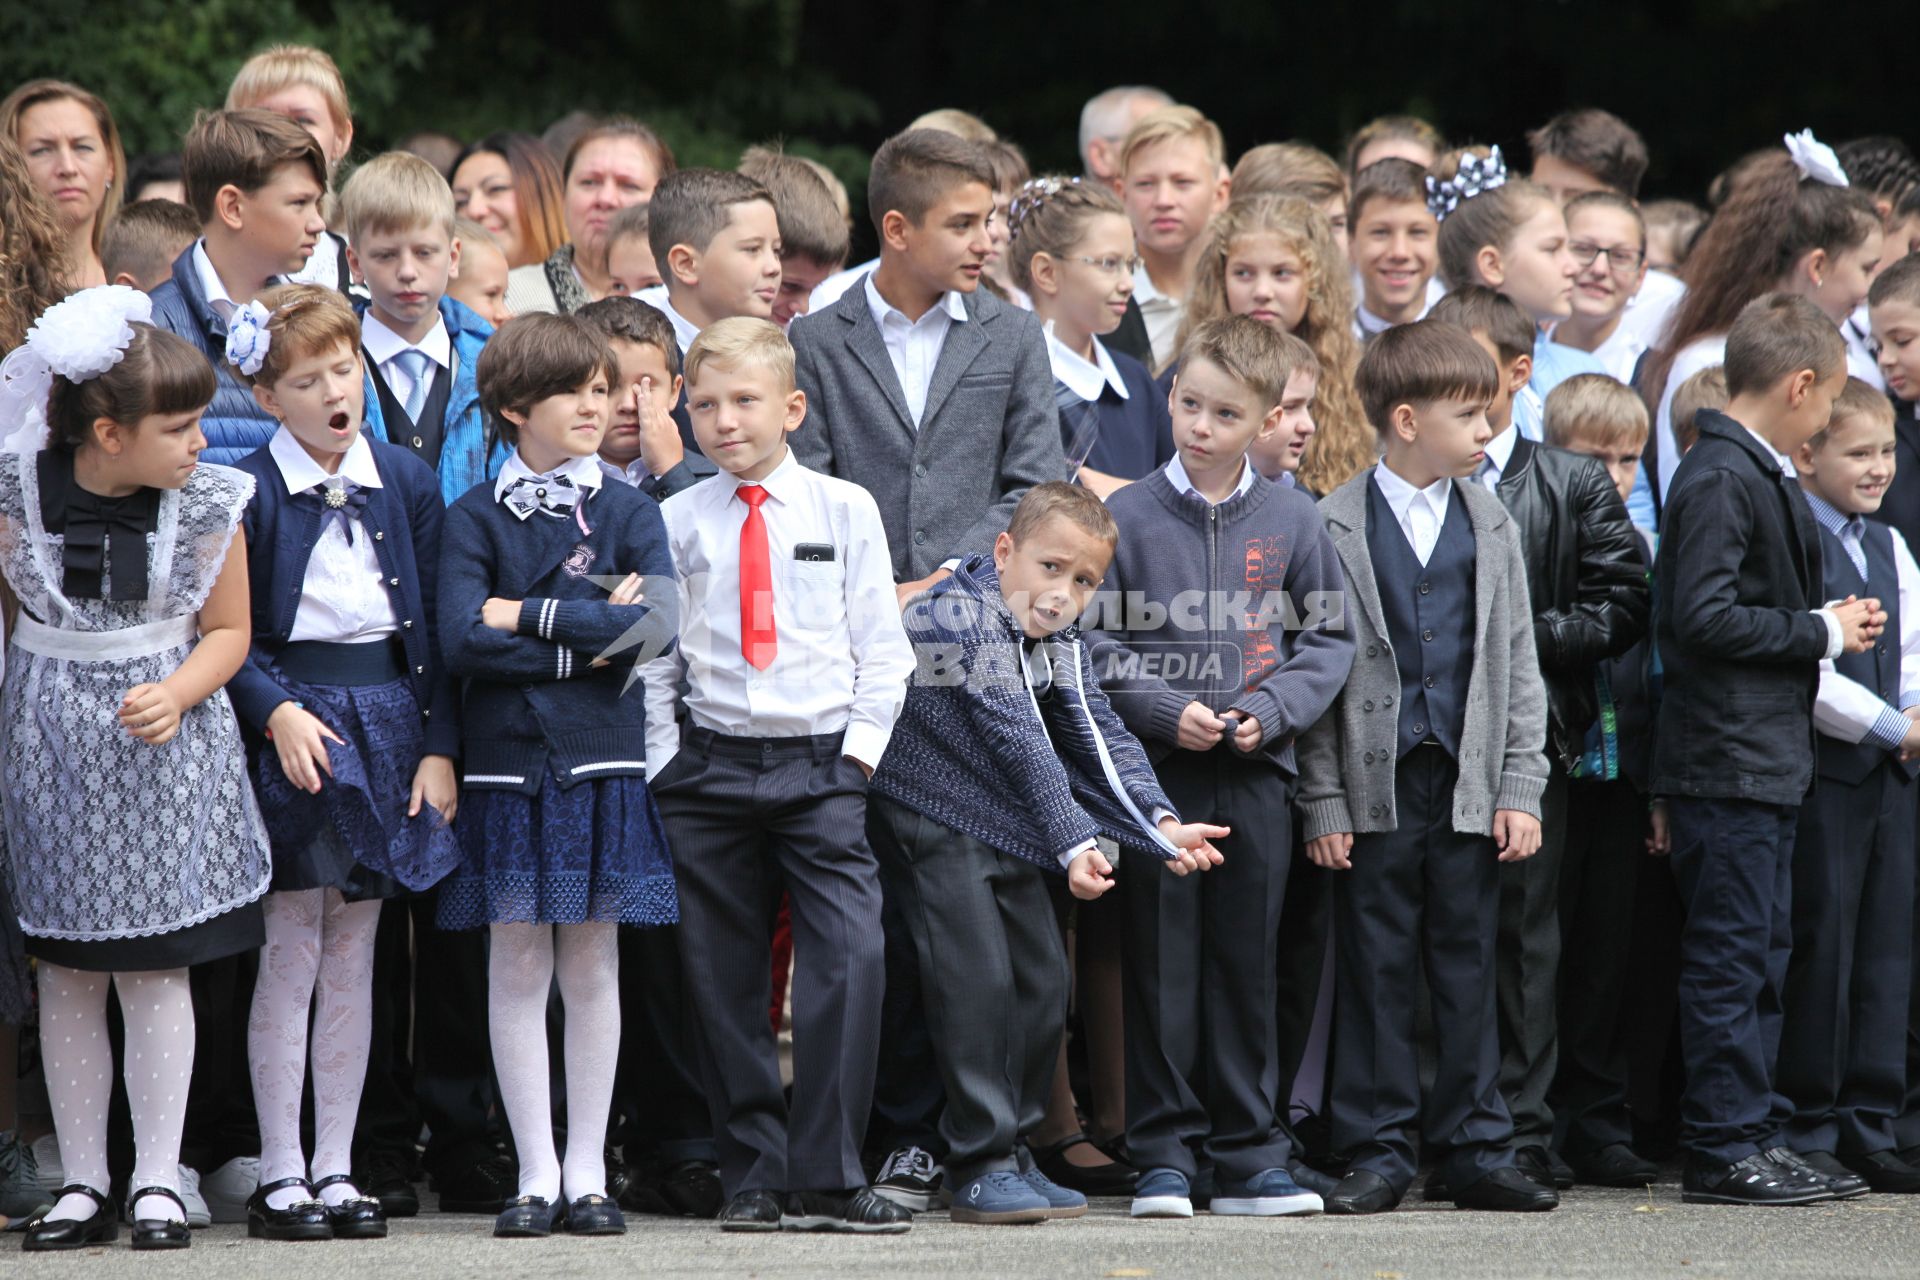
1424,777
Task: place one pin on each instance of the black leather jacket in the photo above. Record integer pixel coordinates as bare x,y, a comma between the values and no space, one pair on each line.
1586,574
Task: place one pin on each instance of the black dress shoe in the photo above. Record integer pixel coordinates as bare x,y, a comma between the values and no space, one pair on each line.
1544,1167
751,1211
618,1174
693,1188
1507,1191
388,1178
858,1211
302,1220
67,1233
1306,1176
1614,1165
1820,1168
358,1217
1436,1190
1362,1191
595,1216
1755,1180
527,1217
1110,1179
475,1179
159,1233
1885,1172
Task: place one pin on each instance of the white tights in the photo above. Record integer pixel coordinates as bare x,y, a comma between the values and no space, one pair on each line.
318,956
522,965
158,1014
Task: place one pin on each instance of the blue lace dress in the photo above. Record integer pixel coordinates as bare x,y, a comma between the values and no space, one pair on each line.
121,856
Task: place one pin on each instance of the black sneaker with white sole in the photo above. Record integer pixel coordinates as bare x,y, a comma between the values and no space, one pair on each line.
910,1178
859,1211
1755,1180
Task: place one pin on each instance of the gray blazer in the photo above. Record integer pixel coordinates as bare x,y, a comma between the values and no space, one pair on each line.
990,430
1347,759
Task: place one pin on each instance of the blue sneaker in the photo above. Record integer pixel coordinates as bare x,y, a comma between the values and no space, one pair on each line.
998,1198
1061,1202
1271,1193
1161,1193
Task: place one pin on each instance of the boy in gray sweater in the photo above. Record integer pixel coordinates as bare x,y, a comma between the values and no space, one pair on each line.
1220,645
1426,775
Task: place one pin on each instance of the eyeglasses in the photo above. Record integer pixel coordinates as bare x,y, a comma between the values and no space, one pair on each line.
1620,261
1113,266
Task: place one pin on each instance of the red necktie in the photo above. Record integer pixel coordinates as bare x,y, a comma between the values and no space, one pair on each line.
756,582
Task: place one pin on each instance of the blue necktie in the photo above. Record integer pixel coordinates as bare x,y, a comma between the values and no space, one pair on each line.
1850,535
414,363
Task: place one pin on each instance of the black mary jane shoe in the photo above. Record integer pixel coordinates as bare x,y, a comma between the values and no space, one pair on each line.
159,1233
595,1216
302,1220
359,1217
527,1217
66,1233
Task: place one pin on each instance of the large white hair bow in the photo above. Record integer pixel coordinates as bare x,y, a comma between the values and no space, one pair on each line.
80,337
248,337
1815,159
1475,175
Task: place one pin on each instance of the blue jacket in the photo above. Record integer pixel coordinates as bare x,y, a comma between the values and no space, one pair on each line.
973,733
465,458
533,701
403,518
234,424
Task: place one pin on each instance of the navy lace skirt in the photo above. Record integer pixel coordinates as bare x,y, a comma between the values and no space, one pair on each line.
355,835
592,853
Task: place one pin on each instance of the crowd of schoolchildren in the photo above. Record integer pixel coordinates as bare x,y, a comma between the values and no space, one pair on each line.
1224,687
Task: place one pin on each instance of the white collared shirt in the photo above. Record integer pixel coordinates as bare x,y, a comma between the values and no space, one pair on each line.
1836,637
217,296
1499,454
841,657
345,598
914,345
684,330
584,472
1183,483
385,347
634,473
1420,512
1085,378
1161,312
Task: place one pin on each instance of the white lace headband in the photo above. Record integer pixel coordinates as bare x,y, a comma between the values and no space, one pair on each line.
1475,175
1815,159
80,337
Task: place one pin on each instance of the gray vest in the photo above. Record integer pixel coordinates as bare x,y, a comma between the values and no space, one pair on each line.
1429,615
1879,667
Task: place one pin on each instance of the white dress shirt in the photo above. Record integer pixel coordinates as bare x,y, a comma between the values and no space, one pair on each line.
1499,454
1420,512
217,296
385,347
1183,483
684,330
345,599
914,345
1161,312
835,286
634,473
1836,638
841,658
1651,309
584,472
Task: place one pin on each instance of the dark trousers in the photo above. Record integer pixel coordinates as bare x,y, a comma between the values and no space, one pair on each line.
221,1124
1421,894
1606,831
1305,918
1733,861
1527,967
430,1063
907,1095
1202,1068
747,817
1906,1129
660,1115
1843,1053
994,980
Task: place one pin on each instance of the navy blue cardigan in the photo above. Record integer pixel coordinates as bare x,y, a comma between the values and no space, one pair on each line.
533,702
1135,434
403,519
972,734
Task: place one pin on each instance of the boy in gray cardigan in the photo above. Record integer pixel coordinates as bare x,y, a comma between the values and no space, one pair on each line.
1424,777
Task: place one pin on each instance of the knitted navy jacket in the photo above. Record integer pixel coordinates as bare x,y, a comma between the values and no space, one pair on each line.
975,749
533,703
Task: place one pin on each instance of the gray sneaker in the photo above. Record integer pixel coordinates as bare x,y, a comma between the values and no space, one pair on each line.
199,1217
21,1196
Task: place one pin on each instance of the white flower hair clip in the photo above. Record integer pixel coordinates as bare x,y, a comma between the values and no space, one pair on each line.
247,337
80,337
1815,159
1475,175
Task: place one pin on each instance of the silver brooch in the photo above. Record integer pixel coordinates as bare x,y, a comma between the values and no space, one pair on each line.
336,498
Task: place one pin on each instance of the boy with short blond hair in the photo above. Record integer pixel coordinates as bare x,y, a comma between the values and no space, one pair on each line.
630,263
814,231
1200,972
1842,1039
481,286
1425,778
1705,390
237,164
422,347
795,665
142,241
1173,180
